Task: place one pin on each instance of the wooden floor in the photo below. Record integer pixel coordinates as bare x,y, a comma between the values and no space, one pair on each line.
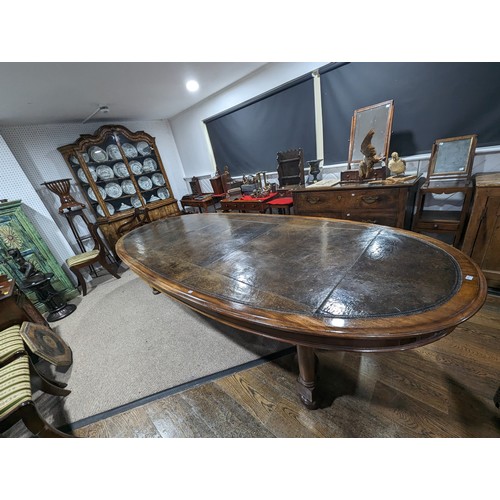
445,389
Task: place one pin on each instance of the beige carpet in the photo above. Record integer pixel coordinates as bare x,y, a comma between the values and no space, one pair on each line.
128,344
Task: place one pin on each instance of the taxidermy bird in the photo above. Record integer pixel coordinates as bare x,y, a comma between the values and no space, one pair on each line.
397,165
370,156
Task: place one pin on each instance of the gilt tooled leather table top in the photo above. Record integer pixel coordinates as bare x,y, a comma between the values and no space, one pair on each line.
305,279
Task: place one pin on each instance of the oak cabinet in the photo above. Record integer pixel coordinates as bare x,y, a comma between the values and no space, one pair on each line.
482,238
118,171
377,204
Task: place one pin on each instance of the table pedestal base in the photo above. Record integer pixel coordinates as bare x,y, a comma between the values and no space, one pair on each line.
306,383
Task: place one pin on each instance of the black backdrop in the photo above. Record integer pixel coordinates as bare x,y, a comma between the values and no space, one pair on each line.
431,101
247,138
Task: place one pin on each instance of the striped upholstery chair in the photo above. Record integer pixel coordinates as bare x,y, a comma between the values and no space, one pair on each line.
16,400
98,254
11,345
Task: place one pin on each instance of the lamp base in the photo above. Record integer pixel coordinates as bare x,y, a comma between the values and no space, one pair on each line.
61,312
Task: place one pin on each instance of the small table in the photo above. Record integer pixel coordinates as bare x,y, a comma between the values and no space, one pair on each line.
247,203
310,281
200,202
45,344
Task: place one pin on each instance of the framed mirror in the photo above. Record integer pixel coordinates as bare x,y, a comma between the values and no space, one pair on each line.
377,117
452,157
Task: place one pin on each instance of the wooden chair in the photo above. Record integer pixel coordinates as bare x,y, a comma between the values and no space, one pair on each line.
138,219
98,254
16,399
291,167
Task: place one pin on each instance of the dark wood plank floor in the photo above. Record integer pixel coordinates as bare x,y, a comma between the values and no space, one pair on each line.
445,389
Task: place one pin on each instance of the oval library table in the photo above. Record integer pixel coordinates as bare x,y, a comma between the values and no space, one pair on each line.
309,281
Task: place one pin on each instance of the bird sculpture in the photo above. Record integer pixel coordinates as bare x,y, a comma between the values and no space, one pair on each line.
397,165
370,156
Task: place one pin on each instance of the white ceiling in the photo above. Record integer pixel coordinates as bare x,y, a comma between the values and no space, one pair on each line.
62,92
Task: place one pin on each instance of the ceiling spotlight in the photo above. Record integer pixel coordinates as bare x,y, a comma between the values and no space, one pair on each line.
192,85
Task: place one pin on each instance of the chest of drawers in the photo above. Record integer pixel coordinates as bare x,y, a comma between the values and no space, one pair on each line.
377,204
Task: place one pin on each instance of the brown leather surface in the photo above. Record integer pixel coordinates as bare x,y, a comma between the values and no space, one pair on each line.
316,267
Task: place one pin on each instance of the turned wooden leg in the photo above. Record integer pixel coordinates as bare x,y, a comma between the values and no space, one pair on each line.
81,281
109,268
38,425
306,383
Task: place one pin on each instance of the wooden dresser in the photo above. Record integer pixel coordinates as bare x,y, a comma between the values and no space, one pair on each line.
15,307
379,204
482,238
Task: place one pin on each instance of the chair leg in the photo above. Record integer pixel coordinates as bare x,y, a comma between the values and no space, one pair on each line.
109,268
34,369
47,385
51,388
37,424
81,280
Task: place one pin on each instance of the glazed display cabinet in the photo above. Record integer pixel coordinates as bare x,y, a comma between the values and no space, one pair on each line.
17,232
118,171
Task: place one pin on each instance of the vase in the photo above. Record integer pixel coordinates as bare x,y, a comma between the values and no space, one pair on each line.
314,169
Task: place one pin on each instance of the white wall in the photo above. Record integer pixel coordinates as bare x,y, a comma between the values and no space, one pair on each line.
188,128
15,185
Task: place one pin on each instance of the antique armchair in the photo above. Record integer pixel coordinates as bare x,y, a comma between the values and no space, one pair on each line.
138,219
290,173
290,167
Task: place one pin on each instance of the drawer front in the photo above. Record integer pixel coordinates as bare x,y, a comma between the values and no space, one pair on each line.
367,199
436,226
371,199
316,203
382,217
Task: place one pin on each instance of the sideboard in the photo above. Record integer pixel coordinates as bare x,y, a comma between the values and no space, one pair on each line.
388,205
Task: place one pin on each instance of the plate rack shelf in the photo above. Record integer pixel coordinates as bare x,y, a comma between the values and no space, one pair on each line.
118,171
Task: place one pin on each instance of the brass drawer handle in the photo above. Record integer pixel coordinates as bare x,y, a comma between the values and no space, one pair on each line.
313,200
370,199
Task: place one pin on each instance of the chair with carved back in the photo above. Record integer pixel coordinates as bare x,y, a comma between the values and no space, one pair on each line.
290,173
138,219
85,259
290,167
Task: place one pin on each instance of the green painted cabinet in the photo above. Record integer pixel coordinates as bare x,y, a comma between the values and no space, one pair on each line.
16,231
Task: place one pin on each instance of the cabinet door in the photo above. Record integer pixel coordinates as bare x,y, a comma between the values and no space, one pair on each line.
17,232
487,244
146,169
104,177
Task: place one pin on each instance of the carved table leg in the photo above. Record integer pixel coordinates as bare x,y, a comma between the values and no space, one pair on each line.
306,383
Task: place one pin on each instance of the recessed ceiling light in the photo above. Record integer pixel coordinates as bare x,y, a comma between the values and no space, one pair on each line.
192,85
